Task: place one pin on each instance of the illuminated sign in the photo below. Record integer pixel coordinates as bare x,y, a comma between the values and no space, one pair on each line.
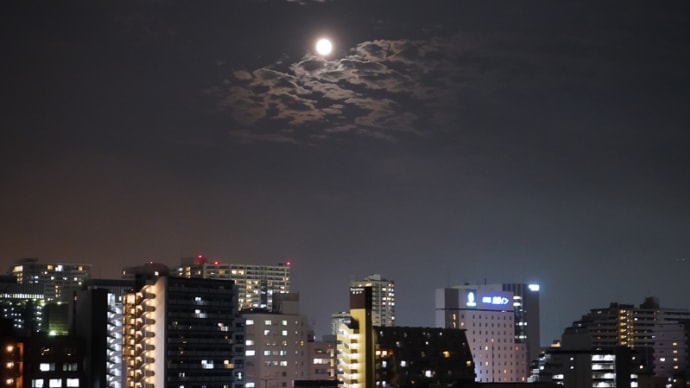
533,287
471,300
495,300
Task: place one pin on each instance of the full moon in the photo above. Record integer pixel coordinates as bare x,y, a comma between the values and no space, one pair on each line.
324,46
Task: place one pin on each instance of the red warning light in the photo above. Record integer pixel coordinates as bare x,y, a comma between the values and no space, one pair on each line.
288,263
200,260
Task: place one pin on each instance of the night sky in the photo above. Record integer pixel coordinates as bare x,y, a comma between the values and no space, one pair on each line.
442,142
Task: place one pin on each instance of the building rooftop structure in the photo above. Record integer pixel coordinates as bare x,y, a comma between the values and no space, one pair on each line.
58,279
383,298
256,283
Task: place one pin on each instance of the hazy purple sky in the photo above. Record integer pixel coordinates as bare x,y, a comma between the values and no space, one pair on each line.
443,142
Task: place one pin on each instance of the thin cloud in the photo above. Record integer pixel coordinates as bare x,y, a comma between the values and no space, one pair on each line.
394,88
379,90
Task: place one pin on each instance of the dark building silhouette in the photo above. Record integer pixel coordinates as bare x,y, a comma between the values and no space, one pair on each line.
55,361
378,356
182,332
22,304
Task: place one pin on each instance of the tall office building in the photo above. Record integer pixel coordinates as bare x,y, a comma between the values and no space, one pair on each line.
383,299
182,333
527,316
256,284
276,344
59,280
386,356
487,313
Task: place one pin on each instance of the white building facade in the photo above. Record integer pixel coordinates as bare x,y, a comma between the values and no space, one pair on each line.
487,315
276,349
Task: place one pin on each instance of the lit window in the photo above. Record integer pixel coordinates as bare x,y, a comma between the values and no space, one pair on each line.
38,383
249,322
46,367
55,383
72,382
250,353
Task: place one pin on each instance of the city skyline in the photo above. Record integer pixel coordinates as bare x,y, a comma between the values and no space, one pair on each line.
321,321
455,142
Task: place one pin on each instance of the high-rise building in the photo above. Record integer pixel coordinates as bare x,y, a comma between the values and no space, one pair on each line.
487,313
59,280
181,332
276,344
527,316
383,299
256,284
657,334
381,356
96,318
22,304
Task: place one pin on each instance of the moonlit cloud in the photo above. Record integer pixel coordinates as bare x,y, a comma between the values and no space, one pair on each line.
389,88
380,89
